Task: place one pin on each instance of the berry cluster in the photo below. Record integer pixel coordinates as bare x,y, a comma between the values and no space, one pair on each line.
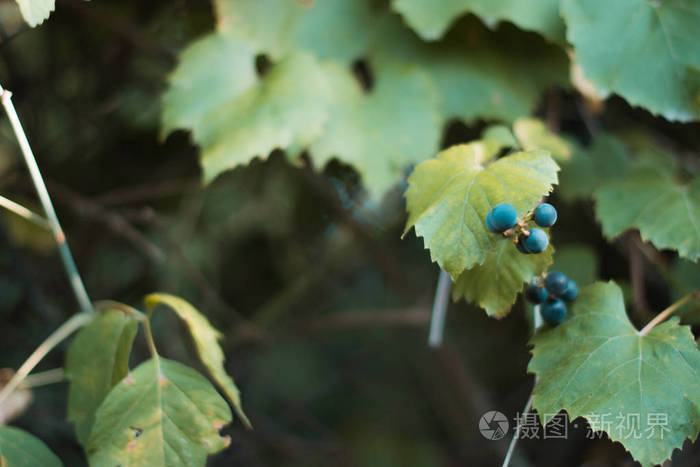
557,289
503,219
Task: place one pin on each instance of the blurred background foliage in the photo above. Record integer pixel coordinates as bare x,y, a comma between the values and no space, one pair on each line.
324,308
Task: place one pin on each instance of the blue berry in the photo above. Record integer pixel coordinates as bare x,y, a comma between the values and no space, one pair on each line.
545,215
556,283
489,222
537,241
521,245
536,294
503,216
570,292
553,311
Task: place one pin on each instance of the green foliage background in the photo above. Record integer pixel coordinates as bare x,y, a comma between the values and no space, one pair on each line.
323,308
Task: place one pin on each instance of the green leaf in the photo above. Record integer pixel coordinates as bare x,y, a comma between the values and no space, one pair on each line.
448,198
431,21
383,132
97,359
495,284
206,341
35,12
235,116
577,261
478,72
666,212
330,29
21,449
648,152
645,51
163,413
596,363
534,134
605,160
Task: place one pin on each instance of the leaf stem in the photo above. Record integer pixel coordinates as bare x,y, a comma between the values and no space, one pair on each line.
25,213
437,320
149,339
104,305
43,378
68,262
668,312
59,335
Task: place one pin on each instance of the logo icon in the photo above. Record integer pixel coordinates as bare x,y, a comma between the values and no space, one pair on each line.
493,425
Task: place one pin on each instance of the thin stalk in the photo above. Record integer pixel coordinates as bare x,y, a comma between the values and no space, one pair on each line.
59,335
437,320
43,378
25,213
68,262
149,340
104,305
668,312
516,435
537,322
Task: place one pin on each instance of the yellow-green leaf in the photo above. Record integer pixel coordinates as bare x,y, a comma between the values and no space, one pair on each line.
163,413
449,196
97,359
534,134
206,339
233,114
495,284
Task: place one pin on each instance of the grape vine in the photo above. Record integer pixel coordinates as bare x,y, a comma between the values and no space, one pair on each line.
456,104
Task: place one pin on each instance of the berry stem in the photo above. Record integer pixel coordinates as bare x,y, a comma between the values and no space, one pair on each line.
668,312
437,320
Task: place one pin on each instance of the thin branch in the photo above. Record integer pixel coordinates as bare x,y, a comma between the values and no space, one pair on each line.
147,192
437,321
588,120
668,312
537,322
43,378
553,110
68,262
115,222
27,214
652,255
358,319
516,435
636,265
58,336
